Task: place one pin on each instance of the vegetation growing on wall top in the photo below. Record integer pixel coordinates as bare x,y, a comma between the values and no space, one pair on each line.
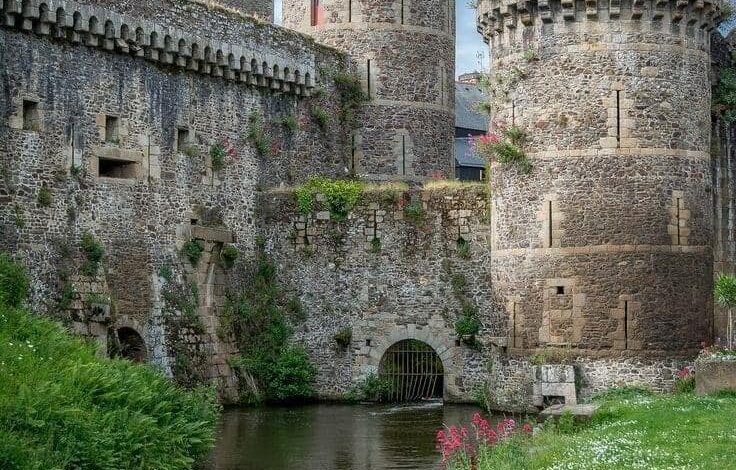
340,196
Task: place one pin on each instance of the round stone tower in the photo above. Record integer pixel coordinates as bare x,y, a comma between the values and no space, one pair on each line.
605,245
405,55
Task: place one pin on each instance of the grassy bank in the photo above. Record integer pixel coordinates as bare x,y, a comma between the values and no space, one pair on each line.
632,429
62,407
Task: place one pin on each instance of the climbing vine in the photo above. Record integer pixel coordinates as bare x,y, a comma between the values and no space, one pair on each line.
261,319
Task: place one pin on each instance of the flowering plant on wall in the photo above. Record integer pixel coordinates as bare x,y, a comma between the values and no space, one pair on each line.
220,151
503,144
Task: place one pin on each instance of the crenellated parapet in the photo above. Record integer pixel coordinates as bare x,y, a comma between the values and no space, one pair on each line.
123,34
502,20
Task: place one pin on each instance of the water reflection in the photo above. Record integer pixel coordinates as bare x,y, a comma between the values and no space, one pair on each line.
333,437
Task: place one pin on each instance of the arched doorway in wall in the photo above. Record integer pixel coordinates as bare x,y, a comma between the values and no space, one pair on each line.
414,370
131,345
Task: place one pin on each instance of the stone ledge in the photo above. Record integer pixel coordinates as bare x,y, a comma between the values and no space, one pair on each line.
209,234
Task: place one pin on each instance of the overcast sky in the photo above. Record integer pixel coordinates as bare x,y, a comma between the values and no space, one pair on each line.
469,42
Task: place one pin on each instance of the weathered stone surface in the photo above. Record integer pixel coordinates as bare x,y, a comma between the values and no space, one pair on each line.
579,412
713,376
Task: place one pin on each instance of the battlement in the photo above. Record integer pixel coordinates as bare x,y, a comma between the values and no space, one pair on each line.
101,28
497,18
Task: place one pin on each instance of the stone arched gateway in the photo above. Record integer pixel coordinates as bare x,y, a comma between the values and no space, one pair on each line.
131,344
414,370
440,340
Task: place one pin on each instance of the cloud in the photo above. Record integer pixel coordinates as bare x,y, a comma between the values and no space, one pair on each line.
469,42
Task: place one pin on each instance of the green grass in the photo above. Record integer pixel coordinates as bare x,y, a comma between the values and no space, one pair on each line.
634,429
63,407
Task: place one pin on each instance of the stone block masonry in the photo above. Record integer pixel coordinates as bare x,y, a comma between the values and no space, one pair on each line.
108,126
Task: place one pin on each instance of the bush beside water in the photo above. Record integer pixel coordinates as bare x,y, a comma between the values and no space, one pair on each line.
63,407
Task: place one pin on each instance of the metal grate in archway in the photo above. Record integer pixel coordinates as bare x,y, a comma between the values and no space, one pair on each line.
414,371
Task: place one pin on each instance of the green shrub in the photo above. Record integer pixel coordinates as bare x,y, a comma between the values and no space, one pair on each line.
414,212
94,252
724,96
44,198
295,309
166,273
505,147
344,337
13,282
217,155
62,406
468,324
376,245
257,135
193,250
272,370
340,196
228,255
372,388
290,123
321,117
463,248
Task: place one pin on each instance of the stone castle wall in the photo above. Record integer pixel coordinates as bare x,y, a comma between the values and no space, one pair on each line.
404,51
605,246
108,124
400,290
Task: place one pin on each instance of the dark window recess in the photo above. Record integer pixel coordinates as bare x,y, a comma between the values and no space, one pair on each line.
193,221
560,290
550,400
112,131
368,342
118,169
31,118
182,139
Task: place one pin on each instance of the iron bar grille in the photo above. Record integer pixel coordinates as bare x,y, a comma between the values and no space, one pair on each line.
414,371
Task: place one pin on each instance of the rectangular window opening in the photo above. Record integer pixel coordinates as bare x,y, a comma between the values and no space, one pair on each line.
402,11
513,331
352,155
31,119
560,290
182,139
112,131
368,342
368,77
119,169
350,11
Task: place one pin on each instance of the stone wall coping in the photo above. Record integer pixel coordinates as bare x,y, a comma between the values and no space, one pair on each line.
113,32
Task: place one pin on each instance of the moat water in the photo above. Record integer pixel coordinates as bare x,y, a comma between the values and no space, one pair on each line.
334,437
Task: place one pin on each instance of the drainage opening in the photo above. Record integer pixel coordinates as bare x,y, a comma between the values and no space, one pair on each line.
414,371
131,345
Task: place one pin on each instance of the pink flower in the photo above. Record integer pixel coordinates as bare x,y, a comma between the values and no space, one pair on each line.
527,428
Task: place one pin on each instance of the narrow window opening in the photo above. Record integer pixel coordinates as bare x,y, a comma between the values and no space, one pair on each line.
560,290
368,342
626,324
618,117
368,76
402,11
119,169
112,131
315,12
350,11
352,155
513,113
679,239
182,140
31,119
549,224
403,155
513,331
